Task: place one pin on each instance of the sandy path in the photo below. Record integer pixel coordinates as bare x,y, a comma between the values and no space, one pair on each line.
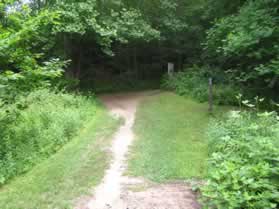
120,192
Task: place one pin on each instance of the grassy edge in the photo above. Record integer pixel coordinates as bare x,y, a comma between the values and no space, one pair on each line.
70,173
141,156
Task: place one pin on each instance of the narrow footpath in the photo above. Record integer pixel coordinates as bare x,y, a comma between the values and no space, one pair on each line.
118,191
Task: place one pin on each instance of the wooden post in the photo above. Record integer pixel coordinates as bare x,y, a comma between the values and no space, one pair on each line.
210,96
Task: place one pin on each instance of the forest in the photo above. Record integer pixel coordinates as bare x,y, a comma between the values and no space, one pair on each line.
65,65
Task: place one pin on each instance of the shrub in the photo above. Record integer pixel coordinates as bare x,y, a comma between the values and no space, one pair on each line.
193,82
13,85
38,125
244,162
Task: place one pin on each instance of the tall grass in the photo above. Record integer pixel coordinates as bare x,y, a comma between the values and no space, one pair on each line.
38,125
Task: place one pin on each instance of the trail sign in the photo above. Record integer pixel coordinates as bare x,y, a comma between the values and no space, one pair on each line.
170,69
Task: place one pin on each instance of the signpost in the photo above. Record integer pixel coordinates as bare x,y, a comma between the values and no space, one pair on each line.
170,69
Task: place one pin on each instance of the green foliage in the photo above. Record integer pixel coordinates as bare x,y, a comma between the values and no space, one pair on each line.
38,125
13,85
89,18
70,173
217,9
24,47
188,84
166,15
131,25
246,42
35,122
193,82
243,164
25,40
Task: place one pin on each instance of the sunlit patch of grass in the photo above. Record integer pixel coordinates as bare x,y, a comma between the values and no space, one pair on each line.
170,139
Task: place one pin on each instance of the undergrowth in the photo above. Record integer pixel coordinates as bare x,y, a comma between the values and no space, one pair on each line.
38,125
244,162
59,181
194,83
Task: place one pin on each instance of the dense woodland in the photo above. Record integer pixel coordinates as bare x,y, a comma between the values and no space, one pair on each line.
55,54
124,42
134,40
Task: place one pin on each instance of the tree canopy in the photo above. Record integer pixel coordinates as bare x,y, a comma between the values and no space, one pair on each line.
238,39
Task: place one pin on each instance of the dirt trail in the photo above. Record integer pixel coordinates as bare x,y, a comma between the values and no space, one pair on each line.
121,192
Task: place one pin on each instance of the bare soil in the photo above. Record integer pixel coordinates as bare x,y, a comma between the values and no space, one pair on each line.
118,191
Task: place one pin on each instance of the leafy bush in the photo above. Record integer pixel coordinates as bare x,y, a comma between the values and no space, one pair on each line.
244,162
193,82
246,42
14,84
38,125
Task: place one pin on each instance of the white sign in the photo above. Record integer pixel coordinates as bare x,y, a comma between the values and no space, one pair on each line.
170,69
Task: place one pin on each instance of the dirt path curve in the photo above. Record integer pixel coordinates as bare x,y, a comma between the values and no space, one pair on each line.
121,192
